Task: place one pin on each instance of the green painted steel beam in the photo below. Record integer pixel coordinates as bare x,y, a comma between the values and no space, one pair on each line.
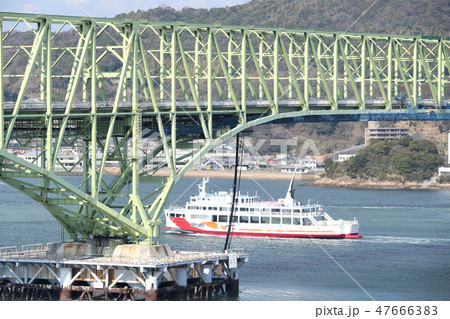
114,79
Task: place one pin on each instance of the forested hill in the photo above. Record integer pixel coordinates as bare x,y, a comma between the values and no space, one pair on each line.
403,160
409,17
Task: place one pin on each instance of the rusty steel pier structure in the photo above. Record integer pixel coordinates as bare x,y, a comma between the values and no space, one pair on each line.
85,271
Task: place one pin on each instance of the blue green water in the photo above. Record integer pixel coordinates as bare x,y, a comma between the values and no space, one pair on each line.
404,254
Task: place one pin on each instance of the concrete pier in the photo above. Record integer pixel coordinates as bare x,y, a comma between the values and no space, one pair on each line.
85,271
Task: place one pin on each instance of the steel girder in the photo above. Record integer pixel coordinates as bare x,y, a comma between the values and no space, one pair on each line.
131,95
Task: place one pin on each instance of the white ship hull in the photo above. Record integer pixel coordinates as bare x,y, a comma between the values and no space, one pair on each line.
209,214
267,230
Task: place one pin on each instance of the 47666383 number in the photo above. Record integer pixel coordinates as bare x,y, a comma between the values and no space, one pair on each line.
407,310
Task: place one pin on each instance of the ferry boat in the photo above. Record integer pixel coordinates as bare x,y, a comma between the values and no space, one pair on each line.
209,213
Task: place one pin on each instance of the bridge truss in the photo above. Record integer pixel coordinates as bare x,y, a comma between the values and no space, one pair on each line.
134,96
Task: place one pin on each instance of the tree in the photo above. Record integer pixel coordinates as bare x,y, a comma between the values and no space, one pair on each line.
407,158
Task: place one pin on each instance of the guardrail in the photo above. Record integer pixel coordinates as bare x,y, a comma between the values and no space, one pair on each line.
27,251
38,251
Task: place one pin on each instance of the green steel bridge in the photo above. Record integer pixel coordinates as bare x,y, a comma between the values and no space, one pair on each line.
136,95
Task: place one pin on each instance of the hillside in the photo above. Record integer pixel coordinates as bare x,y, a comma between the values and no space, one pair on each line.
403,160
427,17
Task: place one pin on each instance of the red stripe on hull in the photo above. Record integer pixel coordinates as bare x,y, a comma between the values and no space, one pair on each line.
352,236
274,235
186,226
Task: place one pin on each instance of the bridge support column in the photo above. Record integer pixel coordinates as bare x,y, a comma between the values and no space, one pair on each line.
151,295
151,284
180,276
206,274
233,288
65,277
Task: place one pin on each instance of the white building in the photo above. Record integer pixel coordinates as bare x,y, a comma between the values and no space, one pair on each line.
32,157
446,170
347,153
304,165
343,157
67,158
308,163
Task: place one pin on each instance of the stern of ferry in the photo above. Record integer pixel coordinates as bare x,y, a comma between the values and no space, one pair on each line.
351,229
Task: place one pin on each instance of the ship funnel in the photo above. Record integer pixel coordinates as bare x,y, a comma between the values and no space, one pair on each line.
289,199
202,186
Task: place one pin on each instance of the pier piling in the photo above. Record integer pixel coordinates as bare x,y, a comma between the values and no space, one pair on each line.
75,271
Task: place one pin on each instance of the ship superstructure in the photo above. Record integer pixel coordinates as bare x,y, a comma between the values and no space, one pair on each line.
209,213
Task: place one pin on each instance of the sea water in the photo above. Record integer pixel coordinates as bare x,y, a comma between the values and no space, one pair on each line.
404,253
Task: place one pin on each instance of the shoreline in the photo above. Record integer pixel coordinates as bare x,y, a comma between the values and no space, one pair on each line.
264,175
316,180
347,183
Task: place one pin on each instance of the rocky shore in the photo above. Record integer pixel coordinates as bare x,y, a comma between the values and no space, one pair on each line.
316,179
357,183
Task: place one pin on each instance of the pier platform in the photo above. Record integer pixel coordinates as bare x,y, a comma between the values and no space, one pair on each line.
85,271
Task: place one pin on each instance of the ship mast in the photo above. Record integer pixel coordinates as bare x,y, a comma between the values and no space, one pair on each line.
236,161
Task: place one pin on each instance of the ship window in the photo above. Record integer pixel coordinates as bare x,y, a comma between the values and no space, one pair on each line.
214,218
306,222
286,211
306,210
275,220
296,221
287,221
296,211
275,211
172,215
243,219
265,211
254,209
265,220
201,217
223,219
223,209
205,208
313,209
214,208
243,209
235,219
254,219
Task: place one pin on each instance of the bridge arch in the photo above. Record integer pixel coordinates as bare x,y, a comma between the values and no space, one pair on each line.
104,86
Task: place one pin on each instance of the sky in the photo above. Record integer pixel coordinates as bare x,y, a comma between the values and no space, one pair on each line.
104,8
